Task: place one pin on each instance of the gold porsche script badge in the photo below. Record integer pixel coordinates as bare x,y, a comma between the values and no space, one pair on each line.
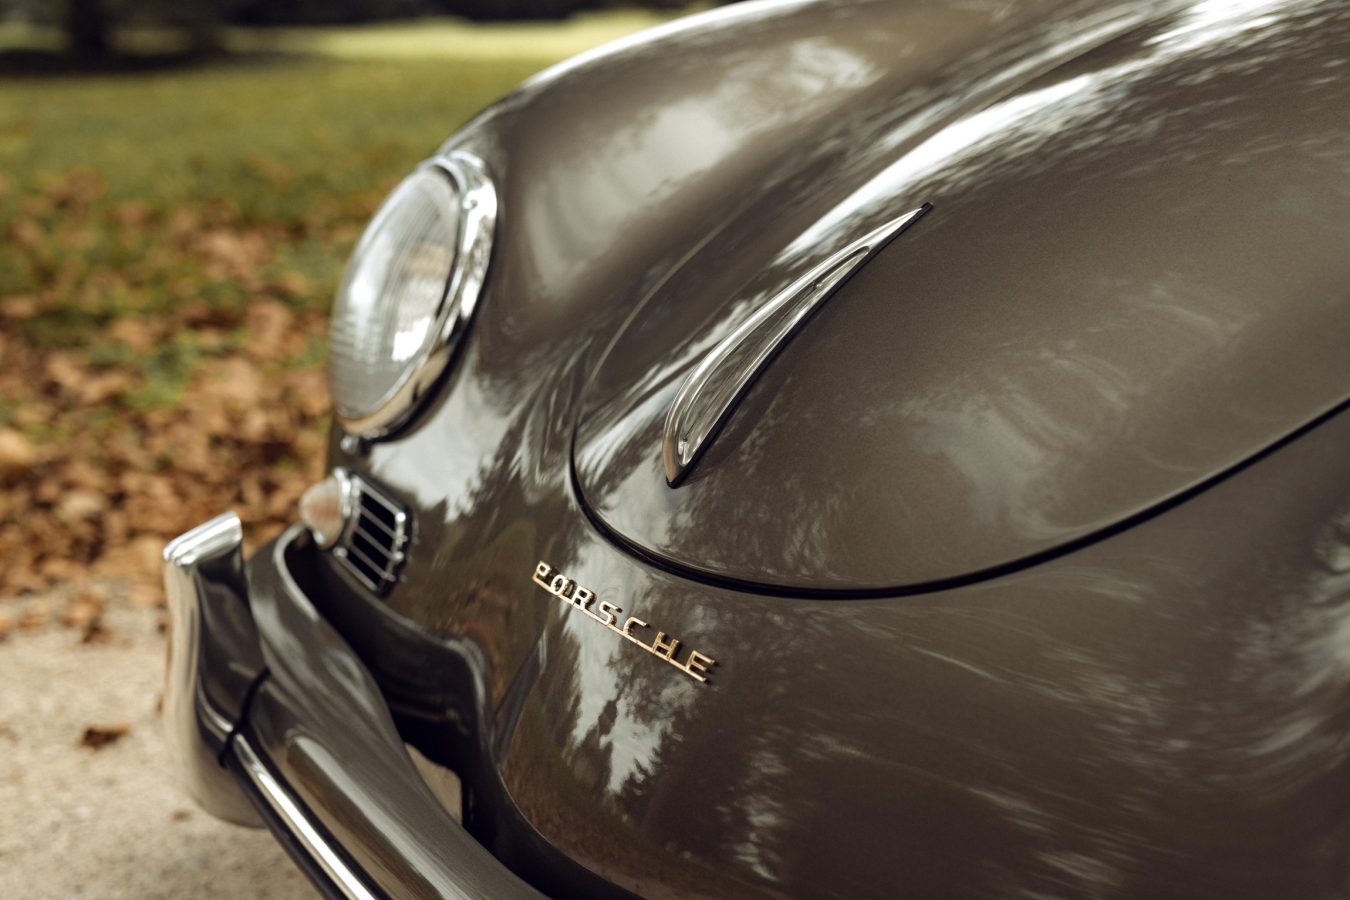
664,647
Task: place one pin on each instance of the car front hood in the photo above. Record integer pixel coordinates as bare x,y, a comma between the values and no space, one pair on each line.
1134,278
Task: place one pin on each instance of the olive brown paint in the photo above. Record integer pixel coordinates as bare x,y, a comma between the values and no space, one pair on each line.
1025,564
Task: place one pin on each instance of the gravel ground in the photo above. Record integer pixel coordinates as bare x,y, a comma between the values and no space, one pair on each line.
77,822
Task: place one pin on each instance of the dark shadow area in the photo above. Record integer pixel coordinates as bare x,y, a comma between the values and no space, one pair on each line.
35,63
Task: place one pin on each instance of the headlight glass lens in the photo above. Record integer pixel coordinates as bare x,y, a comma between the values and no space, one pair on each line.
388,310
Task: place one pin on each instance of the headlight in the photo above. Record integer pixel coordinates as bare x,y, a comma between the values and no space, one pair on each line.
409,291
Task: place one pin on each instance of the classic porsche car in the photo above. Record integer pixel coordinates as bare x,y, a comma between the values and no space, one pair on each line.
826,448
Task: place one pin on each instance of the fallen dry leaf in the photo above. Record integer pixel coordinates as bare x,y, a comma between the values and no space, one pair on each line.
85,612
81,504
37,615
96,737
18,307
65,370
95,632
158,369
138,334
16,452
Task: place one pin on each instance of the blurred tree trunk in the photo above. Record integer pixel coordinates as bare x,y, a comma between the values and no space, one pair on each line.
88,29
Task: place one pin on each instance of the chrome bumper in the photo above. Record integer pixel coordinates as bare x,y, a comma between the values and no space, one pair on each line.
213,662
270,715
309,842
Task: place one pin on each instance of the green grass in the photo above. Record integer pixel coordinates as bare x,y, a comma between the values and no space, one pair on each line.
301,149
112,183
278,139
296,118
451,38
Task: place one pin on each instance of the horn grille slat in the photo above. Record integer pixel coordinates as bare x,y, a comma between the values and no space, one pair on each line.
371,548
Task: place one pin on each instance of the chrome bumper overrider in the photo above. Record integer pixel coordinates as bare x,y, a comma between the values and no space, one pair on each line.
270,715
213,661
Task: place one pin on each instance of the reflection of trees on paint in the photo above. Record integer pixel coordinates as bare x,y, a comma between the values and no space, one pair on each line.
483,527
710,786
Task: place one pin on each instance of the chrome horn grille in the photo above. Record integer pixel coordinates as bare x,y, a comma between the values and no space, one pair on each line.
371,547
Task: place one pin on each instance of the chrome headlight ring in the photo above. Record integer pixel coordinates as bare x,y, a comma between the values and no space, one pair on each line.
476,217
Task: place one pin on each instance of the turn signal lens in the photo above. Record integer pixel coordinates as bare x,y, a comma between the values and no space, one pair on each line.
324,509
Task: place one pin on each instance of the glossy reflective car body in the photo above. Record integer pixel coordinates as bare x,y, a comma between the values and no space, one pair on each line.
1013,557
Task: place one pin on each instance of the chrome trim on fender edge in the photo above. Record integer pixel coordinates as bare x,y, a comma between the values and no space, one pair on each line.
287,808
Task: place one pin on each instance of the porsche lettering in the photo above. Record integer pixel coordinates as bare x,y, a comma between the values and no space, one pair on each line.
663,646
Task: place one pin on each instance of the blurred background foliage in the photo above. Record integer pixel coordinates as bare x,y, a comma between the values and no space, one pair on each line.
177,199
91,26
